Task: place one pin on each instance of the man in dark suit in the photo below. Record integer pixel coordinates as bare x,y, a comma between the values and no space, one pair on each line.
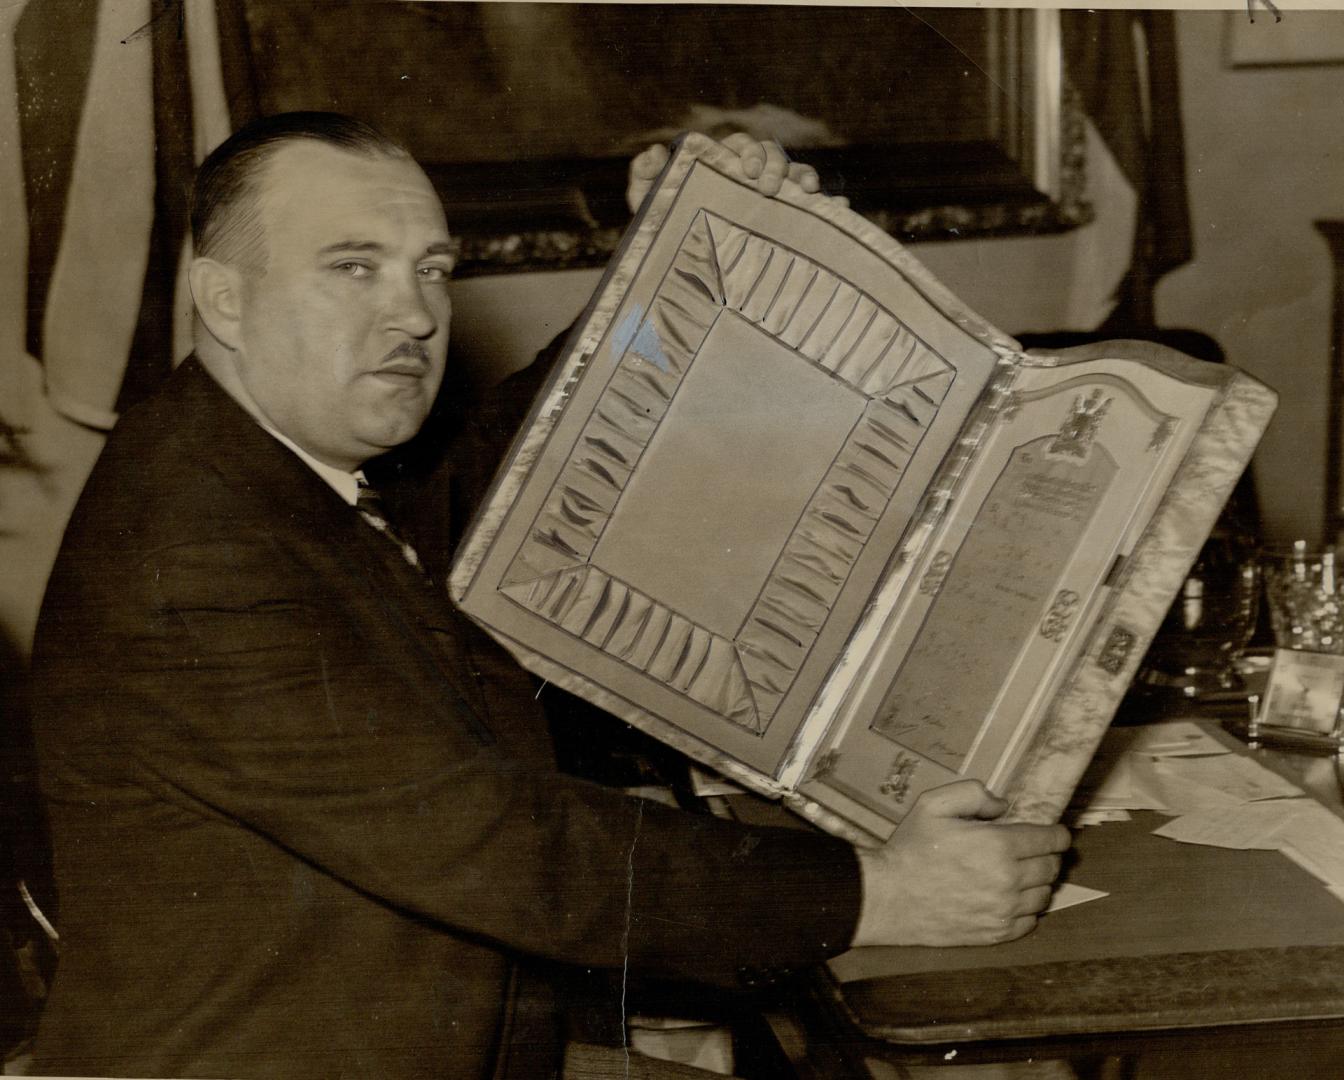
305,818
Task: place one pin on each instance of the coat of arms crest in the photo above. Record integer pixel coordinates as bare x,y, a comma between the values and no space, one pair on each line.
1080,426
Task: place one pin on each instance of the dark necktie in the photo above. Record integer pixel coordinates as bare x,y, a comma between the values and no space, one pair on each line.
371,508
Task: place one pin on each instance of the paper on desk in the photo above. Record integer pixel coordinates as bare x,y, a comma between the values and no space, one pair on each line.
1239,777
1314,839
1304,830
1177,738
1140,782
1069,895
1123,788
1185,784
1259,825
1100,817
1129,780
1221,799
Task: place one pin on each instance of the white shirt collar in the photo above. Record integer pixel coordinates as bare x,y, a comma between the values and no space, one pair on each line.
345,484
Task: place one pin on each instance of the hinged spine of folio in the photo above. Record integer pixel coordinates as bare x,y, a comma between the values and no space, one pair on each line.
855,658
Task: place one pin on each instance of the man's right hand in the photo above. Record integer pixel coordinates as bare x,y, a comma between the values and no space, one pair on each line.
952,875
762,162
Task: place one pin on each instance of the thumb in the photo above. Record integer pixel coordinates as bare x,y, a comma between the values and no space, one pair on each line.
644,169
963,799
649,162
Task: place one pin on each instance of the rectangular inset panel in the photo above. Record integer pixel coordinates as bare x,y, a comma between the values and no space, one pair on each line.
996,590
680,529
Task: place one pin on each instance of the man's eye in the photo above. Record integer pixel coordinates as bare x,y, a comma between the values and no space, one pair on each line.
353,269
434,273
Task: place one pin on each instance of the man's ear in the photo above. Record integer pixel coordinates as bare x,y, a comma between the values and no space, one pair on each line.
217,291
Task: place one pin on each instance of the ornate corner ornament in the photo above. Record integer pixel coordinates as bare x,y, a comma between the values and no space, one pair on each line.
825,765
1060,615
1161,433
1115,653
896,785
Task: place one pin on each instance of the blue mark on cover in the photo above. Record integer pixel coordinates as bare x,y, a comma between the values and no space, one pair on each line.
650,347
642,339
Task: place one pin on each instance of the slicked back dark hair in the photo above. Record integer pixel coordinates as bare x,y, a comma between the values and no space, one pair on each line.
225,210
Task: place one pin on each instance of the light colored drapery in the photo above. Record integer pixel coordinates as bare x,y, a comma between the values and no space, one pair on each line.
58,399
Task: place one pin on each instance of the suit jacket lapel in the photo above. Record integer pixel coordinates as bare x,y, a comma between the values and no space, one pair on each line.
329,534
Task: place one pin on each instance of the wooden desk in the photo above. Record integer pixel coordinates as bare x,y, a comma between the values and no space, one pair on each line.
1195,950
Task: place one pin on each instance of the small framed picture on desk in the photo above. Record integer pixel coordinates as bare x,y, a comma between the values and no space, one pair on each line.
1302,699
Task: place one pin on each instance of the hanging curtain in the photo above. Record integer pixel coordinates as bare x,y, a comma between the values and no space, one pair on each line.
105,108
1124,66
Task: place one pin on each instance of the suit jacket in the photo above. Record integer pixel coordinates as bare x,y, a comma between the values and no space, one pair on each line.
303,819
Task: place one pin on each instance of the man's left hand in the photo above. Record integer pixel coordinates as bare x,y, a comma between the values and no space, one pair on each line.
763,163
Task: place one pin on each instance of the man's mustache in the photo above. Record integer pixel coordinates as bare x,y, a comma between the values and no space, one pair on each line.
411,349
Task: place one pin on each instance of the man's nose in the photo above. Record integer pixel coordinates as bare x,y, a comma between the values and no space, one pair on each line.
410,311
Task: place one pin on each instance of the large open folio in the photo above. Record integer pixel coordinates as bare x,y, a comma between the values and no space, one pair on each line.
786,504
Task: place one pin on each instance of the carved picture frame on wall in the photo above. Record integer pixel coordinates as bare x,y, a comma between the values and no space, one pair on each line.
956,122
